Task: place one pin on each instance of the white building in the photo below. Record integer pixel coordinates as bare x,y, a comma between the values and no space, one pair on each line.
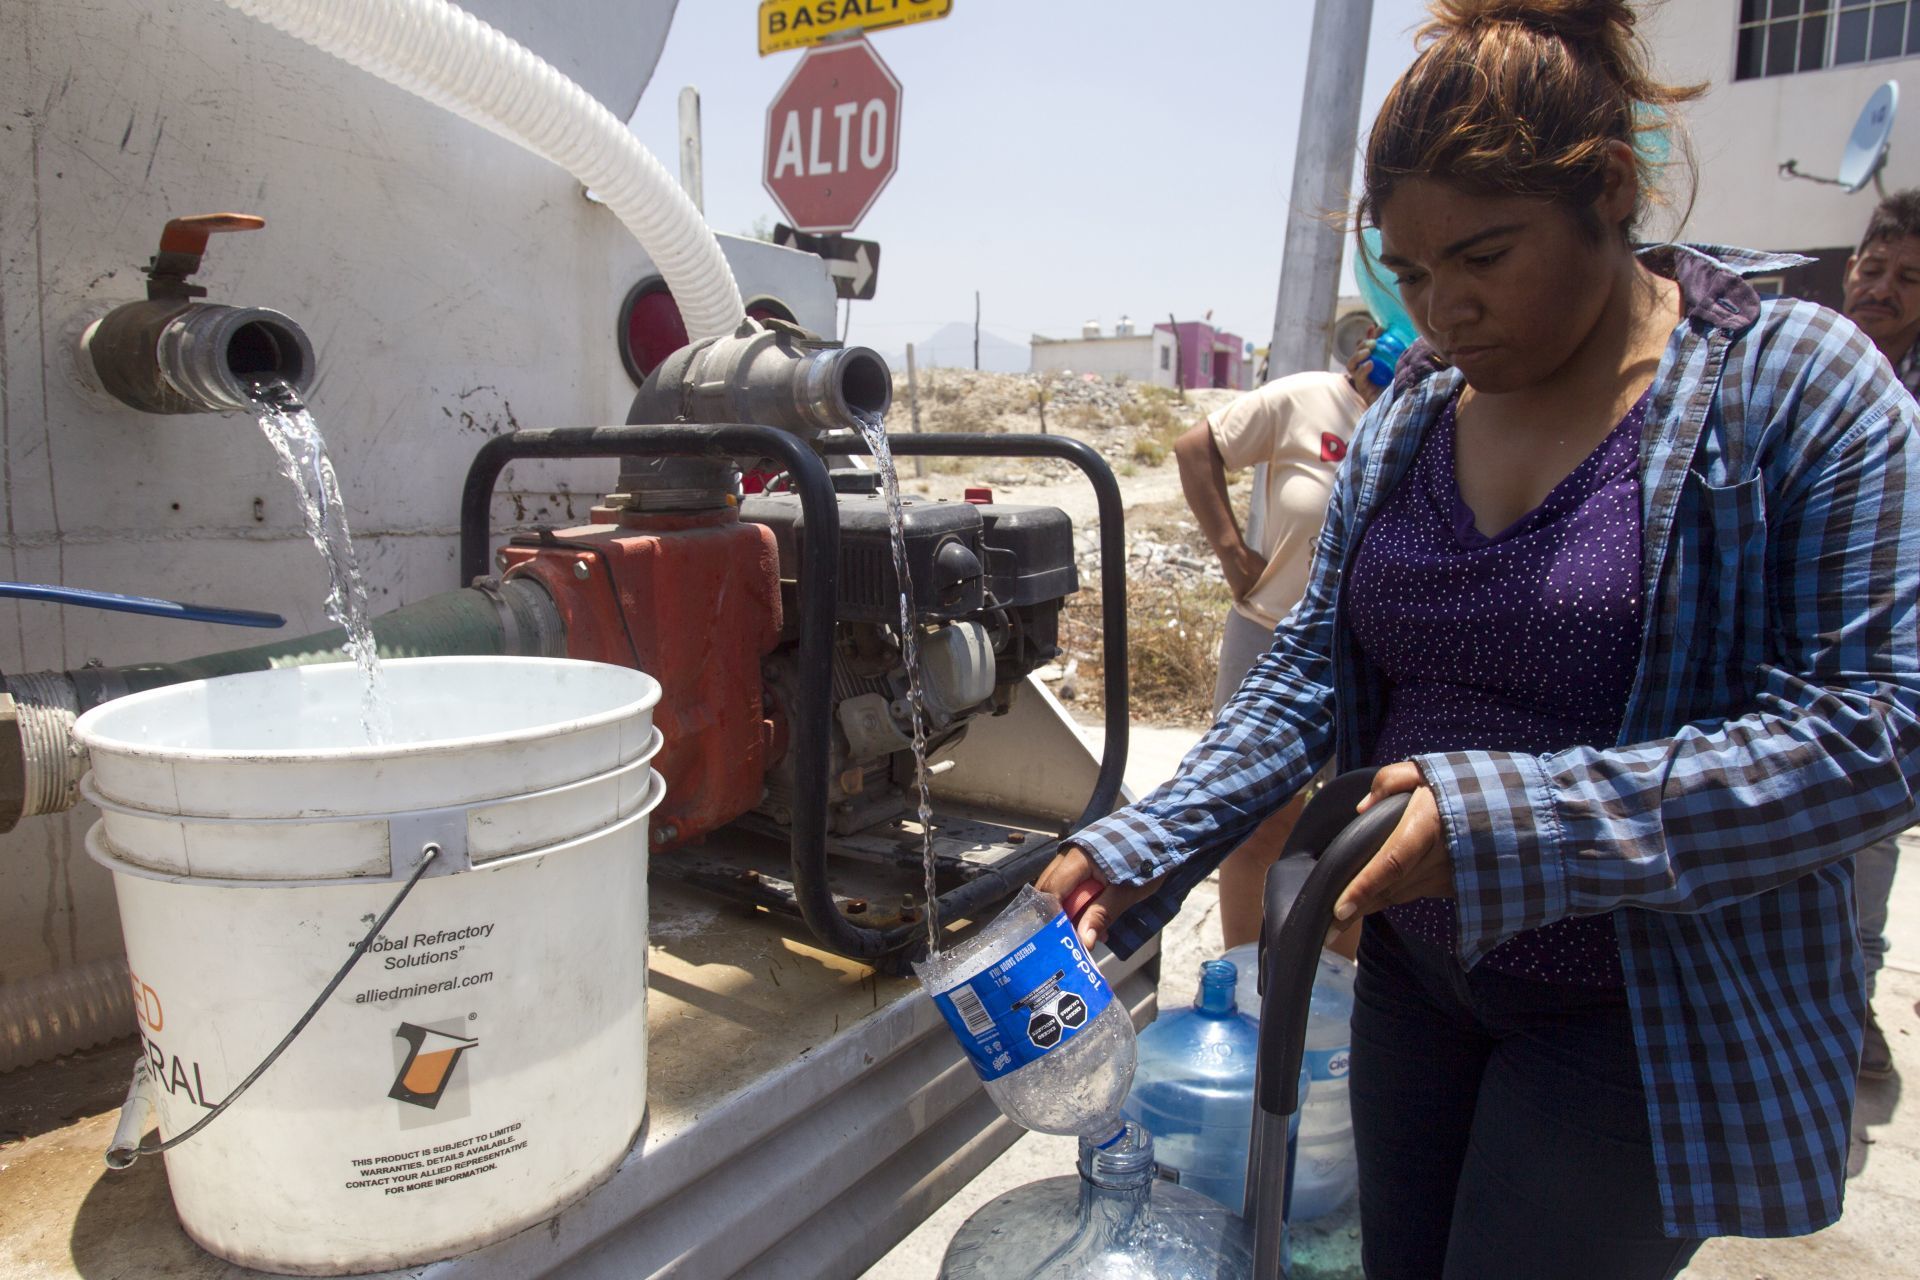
1786,87
1124,353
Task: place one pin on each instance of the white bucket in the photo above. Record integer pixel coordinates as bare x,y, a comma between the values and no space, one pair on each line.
485,1062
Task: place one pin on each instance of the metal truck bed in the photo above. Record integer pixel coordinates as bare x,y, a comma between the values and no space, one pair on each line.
804,1114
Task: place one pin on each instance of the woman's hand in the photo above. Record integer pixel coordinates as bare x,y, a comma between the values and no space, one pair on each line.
1359,366
1413,863
1072,867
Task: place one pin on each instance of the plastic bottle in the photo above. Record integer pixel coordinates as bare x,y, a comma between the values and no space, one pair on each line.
1325,1170
1382,296
1037,1020
1194,1089
1115,1221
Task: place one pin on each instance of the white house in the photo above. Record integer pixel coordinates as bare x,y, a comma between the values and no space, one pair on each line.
1189,353
1124,353
1786,87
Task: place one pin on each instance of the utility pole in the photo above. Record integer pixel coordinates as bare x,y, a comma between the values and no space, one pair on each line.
976,331
690,157
1179,358
1322,169
913,407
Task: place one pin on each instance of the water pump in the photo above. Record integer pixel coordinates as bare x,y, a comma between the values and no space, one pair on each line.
699,586
773,620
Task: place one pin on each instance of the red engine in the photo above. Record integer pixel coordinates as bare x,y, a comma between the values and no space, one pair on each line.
694,601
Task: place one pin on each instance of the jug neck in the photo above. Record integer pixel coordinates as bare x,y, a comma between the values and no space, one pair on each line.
1217,981
1116,1186
1123,1164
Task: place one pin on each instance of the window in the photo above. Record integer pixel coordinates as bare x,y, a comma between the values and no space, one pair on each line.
1779,37
1165,362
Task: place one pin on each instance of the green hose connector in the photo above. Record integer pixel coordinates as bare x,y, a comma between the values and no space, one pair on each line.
515,618
41,764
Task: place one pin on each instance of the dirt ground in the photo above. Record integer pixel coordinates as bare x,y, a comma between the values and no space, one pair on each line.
1177,598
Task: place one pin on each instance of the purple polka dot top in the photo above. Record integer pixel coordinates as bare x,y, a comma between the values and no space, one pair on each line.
1524,641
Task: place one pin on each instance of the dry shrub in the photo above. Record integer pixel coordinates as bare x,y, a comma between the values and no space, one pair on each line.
1173,648
1085,419
1155,412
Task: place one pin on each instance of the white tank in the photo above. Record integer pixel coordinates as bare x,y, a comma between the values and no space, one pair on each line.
454,287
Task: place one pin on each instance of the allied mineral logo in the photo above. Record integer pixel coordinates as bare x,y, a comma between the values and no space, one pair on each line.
428,1070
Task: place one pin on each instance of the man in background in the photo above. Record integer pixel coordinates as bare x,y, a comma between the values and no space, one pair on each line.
1882,295
1299,426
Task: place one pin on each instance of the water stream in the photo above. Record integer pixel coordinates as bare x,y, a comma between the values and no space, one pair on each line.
873,430
296,440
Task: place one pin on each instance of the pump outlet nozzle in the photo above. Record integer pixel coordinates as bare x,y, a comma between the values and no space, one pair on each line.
769,373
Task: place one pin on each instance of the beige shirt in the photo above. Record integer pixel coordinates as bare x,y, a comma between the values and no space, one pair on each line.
1299,426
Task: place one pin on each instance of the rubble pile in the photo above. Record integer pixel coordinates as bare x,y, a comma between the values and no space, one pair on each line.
1114,417
1169,551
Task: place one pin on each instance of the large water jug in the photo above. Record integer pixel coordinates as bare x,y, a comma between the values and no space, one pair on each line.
1038,1022
1325,1170
1115,1221
1382,296
1193,1089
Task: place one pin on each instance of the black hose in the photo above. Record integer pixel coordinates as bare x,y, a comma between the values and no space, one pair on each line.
1340,843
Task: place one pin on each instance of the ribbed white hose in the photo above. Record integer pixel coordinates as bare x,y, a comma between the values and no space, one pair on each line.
444,54
61,1012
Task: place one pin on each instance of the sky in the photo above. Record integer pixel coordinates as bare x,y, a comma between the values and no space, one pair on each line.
1072,160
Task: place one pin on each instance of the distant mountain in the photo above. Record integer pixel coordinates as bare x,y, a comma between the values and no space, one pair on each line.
951,347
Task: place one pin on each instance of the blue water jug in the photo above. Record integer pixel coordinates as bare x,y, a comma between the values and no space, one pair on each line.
1325,1172
1193,1089
1382,296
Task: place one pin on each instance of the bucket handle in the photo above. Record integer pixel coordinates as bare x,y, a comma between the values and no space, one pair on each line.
126,1148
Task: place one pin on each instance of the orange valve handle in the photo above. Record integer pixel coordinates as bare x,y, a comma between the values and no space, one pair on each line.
189,234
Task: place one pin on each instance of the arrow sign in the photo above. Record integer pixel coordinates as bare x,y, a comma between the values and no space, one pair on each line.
853,264
853,279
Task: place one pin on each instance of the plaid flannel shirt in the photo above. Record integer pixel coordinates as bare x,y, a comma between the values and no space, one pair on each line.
1772,729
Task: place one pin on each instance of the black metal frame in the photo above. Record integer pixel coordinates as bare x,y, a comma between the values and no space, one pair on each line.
811,730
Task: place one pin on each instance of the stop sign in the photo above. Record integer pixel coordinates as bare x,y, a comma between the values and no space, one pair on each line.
833,137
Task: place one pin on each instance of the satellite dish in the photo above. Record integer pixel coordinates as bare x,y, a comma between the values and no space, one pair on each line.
1867,145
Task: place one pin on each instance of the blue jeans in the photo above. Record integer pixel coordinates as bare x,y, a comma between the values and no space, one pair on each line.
1873,869
1501,1125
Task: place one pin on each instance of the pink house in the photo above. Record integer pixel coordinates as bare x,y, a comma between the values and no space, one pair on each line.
1207,357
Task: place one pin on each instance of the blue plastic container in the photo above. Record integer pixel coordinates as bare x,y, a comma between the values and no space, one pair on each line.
1193,1089
1325,1171
1382,296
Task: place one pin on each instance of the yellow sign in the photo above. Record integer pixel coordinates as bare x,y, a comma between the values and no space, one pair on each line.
795,24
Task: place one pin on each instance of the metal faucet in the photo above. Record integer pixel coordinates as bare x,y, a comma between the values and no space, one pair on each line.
174,354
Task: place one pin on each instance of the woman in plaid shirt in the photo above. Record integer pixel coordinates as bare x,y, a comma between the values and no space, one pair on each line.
1620,585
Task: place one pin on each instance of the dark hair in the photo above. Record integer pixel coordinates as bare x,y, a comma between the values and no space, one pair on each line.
1522,97
1896,216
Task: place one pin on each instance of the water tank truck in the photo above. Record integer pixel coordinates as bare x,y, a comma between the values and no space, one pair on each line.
806,1109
